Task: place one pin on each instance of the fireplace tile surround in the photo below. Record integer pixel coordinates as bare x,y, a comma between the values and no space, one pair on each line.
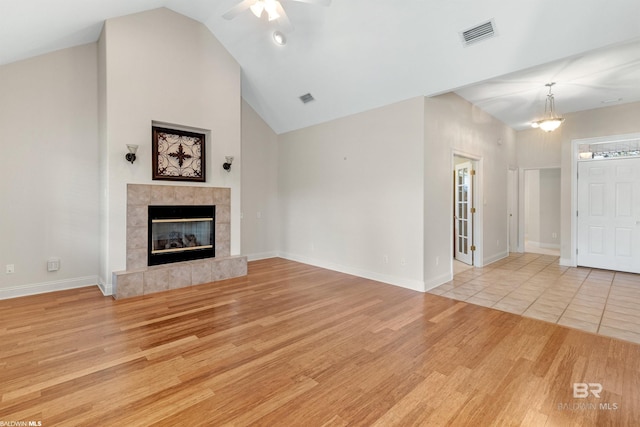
138,279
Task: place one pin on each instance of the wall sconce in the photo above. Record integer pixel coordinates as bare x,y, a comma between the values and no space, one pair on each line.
131,155
227,165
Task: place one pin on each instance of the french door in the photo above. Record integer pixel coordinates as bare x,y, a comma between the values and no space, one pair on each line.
463,212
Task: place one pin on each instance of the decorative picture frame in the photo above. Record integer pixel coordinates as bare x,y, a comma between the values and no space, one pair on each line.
178,155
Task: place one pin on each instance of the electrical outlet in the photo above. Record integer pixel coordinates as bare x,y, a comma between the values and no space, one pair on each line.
403,261
10,269
53,264
437,260
385,259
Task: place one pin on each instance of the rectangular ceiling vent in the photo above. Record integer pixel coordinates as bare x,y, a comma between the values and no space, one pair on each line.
479,32
306,98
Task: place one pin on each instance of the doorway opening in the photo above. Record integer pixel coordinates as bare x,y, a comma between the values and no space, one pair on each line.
540,207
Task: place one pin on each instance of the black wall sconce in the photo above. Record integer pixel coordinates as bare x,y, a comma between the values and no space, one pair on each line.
131,155
227,165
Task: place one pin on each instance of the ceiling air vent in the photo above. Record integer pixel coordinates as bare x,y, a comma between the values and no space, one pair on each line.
479,32
306,98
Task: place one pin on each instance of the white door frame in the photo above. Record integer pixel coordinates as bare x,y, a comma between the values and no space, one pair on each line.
572,260
513,209
476,160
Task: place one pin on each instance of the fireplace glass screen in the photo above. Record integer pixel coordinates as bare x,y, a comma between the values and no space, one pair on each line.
180,233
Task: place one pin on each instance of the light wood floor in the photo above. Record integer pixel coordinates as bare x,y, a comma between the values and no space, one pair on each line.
292,345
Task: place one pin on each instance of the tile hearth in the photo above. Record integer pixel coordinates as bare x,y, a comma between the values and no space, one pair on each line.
138,279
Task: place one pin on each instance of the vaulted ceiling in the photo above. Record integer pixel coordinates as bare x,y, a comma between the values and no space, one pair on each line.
355,55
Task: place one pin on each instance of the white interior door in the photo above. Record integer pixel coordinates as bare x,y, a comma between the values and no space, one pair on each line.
463,216
609,214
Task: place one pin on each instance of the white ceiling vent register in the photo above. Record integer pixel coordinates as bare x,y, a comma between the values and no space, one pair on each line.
480,32
306,98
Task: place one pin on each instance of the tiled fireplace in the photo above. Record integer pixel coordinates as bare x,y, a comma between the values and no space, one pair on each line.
139,278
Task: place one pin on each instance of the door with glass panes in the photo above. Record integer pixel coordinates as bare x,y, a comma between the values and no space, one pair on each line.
463,213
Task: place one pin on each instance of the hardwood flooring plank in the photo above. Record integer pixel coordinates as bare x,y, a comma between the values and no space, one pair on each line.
27,387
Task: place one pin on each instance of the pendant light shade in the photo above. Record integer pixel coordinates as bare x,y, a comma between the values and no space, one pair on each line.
257,8
551,120
270,6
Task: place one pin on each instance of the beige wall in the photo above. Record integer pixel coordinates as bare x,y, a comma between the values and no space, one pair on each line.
164,67
370,194
351,194
531,198
260,216
550,208
49,177
454,126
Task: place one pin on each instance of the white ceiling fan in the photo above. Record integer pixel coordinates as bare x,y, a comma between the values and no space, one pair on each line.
272,8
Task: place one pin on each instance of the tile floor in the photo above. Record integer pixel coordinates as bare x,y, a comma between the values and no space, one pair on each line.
535,285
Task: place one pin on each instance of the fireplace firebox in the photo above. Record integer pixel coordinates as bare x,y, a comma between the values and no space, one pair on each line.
181,233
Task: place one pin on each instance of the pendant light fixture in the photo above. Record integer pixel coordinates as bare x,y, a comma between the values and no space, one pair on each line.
269,6
551,121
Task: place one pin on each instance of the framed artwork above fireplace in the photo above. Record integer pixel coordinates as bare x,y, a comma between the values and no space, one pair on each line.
178,155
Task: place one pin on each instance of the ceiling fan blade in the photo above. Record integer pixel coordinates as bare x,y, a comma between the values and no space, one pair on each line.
283,19
318,2
238,9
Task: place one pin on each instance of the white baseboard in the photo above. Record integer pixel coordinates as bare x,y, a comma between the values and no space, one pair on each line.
40,288
437,281
494,258
105,288
567,262
549,245
415,285
261,255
